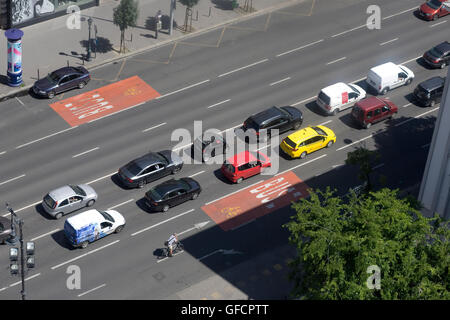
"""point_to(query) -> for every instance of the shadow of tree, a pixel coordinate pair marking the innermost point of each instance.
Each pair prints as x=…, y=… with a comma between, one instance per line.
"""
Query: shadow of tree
x=223, y=4
x=103, y=45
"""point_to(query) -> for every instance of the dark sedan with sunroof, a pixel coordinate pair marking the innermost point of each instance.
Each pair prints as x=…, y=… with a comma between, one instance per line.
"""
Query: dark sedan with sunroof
x=61, y=80
x=172, y=193
x=150, y=167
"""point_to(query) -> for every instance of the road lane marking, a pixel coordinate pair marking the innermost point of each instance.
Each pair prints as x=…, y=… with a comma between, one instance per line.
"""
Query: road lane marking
x=301, y=164
x=436, y=24
x=344, y=32
x=207, y=203
x=18, y=210
x=238, y=125
x=242, y=68
x=337, y=165
x=383, y=43
x=119, y=111
x=3, y=152
x=154, y=127
x=21, y=176
x=418, y=116
x=3, y=289
x=354, y=143
x=20, y=101
x=196, y=174
x=101, y=178
x=337, y=60
x=29, y=278
x=406, y=105
x=219, y=103
x=396, y=14
x=46, y=234
x=279, y=81
x=80, y=154
x=121, y=204
x=84, y=255
x=173, y=255
x=49, y=136
x=299, y=48
x=378, y=166
x=183, y=147
x=244, y=224
x=160, y=223
x=310, y=98
x=89, y=291
x=326, y=122
x=408, y=61
x=182, y=89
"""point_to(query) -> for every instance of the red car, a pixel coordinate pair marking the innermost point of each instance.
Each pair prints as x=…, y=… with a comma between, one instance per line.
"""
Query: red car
x=434, y=9
x=244, y=165
x=372, y=110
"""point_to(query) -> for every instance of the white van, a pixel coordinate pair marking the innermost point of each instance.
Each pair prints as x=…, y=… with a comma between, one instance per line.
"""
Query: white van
x=92, y=225
x=339, y=96
x=388, y=76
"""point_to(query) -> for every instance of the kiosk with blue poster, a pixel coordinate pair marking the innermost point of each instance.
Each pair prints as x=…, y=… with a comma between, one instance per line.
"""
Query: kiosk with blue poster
x=14, y=54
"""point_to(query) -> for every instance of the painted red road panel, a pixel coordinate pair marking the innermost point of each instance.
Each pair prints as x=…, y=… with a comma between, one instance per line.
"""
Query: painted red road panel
x=256, y=201
x=104, y=101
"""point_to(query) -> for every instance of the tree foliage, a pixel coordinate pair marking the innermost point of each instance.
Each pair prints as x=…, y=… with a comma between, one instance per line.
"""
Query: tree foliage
x=124, y=16
x=338, y=240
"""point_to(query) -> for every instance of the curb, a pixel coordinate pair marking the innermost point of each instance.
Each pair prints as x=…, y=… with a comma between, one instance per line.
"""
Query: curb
x=24, y=90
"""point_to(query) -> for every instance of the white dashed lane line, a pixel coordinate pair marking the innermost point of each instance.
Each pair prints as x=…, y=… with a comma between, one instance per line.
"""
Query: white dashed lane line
x=242, y=68
x=83, y=153
x=12, y=179
x=154, y=127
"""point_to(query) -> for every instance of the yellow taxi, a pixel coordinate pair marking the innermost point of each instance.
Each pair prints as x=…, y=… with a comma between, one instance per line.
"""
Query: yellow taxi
x=307, y=140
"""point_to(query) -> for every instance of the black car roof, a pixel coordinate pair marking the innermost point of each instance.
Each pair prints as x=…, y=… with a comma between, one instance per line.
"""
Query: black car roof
x=266, y=115
x=66, y=70
x=443, y=47
x=169, y=186
x=433, y=83
x=147, y=159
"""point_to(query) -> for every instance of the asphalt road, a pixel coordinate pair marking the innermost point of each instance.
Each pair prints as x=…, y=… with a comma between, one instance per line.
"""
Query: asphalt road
x=283, y=58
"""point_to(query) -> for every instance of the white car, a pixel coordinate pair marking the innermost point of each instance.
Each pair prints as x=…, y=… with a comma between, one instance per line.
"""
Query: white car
x=389, y=76
x=339, y=96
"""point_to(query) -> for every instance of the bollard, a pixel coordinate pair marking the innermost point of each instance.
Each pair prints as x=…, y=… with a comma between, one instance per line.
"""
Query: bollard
x=38, y=73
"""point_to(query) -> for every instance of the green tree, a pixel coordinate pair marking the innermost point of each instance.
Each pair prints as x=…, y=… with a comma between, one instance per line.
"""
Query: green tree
x=363, y=158
x=189, y=4
x=125, y=15
x=338, y=240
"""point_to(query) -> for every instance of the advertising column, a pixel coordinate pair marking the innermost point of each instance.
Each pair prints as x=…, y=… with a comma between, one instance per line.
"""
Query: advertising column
x=14, y=54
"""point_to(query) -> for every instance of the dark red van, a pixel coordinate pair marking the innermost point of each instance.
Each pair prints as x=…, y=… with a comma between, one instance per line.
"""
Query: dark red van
x=372, y=110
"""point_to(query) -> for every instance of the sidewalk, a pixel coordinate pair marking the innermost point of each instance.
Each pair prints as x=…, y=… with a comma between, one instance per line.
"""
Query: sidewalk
x=50, y=45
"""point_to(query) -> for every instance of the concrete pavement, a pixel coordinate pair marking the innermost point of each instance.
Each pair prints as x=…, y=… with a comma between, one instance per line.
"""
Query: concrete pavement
x=50, y=44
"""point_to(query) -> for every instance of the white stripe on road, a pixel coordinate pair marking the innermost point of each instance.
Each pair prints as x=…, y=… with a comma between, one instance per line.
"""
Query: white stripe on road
x=173, y=255
x=114, y=113
x=219, y=103
x=179, y=90
x=299, y=48
x=120, y=204
x=46, y=234
x=418, y=116
x=1, y=183
x=29, y=278
x=406, y=105
x=310, y=98
x=154, y=127
x=80, y=154
x=436, y=24
x=160, y=223
x=326, y=122
x=396, y=14
x=279, y=81
x=337, y=60
x=408, y=61
x=196, y=174
x=3, y=152
x=302, y=164
x=183, y=147
x=101, y=178
x=353, y=143
x=339, y=34
x=233, y=193
x=20, y=101
x=383, y=43
x=40, y=139
x=239, y=125
x=89, y=291
x=18, y=210
x=242, y=68
x=84, y=255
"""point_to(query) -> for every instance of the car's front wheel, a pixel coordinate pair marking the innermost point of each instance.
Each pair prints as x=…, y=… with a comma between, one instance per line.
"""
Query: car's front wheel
x=58, y=215
x=165, y=208
x=51, y=94
x=84, y=244
x=90, y=203
x=330, y=143
x=118, y=229
x=239, y=180
x=81, y=85
x=443, y=65
x=194, y=196
x=303, y=155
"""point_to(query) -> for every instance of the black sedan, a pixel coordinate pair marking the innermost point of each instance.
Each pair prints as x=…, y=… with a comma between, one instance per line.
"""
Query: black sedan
x=172, y=193
x=208, y=146
x=439, y=56
x=150, y=167
x=5, y=229
x=61, y=80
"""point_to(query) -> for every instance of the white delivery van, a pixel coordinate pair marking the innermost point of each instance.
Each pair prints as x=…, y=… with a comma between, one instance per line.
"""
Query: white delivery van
x=92, y=225
x=388, y=76
x=339, y=96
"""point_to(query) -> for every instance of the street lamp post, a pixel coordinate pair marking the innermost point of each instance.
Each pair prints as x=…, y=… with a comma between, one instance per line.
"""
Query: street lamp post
x=88, y=57
x=13, y=252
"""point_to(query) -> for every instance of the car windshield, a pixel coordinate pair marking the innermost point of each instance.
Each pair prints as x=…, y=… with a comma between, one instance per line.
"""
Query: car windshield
x=49, y=201
x=78, y=190
x=435, y=4
x=107, y=216
x=228, y=166
x=353, y=88
x=290, y=143
x=435, y=52
x=134, y=168
x=54, y=77
x=319, y=131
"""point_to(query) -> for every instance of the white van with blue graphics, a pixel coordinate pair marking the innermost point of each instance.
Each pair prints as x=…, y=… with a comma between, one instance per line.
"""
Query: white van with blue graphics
x=92, y=225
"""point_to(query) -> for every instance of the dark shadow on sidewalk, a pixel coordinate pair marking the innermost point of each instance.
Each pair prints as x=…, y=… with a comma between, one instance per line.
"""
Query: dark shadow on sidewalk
x=223, y=4
x=103, y=45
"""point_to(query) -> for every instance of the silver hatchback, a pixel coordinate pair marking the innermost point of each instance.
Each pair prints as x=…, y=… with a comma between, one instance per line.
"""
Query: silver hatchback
x=69, y=198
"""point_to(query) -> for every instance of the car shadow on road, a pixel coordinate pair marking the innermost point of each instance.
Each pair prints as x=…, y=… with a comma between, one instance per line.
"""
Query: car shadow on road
x=141, y=204
x=219, y=175
x=421, y=62
x=116, y=180
x=223, y=4
x=348, y=121
x=314, y=108
x=60, y=238
x=40, y=209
